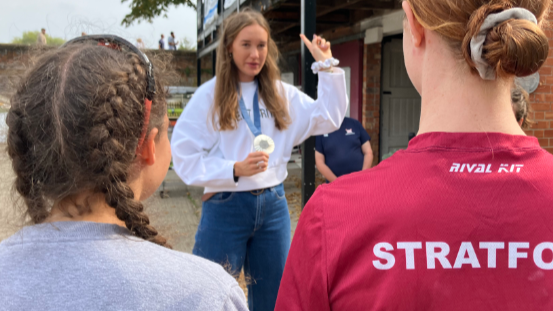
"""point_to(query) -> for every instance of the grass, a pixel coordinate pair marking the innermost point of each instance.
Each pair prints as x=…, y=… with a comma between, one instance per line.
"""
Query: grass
x=191, y=199
x=174, y=112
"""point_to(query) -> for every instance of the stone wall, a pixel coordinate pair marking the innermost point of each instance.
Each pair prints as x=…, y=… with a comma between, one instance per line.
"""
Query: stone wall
x=15, y=60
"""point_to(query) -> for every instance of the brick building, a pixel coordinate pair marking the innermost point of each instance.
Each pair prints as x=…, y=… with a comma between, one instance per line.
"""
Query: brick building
x=541, y=100
x=366, y=36
x=381, y=95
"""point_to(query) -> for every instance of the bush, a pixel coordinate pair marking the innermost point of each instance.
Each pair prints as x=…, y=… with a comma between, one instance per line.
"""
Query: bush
x=30, y=37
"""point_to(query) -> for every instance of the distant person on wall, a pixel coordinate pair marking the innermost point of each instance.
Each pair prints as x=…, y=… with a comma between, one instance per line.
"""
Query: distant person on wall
x=83, y=34
x=171, y=42
x=343, y=152
x=41, y=39
x=162, y=43
x=140, y=44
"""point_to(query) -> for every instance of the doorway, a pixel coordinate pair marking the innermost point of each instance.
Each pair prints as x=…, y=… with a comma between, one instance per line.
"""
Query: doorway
x=400, y=102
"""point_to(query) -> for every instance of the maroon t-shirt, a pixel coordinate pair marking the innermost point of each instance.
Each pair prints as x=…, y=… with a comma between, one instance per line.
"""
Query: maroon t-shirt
x=458, y=221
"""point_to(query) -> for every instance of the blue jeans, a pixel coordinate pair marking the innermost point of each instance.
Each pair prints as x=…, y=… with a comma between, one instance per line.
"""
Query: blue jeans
x=240, y=229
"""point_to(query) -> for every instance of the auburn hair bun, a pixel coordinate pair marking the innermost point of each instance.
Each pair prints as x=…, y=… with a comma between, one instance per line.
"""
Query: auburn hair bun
x=514, y=47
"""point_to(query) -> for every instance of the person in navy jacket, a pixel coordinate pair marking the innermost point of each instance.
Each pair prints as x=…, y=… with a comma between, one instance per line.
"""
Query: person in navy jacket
x=344, y=151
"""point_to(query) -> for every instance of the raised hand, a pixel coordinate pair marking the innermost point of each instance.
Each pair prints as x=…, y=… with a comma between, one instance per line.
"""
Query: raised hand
x=319, y=47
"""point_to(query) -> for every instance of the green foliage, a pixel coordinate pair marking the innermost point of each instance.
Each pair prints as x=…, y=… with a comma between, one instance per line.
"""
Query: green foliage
x=187, y=71
x=30, y=37
x=186, y=45
x=174, y=113
x=149, y=9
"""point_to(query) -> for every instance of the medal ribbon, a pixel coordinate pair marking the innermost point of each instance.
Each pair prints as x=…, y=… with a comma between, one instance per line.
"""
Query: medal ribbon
x=254, y=126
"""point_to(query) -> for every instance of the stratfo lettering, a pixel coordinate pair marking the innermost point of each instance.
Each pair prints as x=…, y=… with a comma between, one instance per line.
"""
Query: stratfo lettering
x=436, y=254
x=485, y=168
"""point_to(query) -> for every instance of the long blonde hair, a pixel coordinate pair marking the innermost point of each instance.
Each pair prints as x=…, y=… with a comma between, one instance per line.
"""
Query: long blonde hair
x=226, y=94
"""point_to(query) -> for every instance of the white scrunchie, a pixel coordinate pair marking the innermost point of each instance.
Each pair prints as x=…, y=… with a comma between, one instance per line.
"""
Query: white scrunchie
x=477, y=42
x=330, y=62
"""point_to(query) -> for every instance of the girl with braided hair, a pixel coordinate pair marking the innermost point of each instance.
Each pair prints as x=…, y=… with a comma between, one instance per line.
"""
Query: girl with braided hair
x=461, y=219
x=88, y=142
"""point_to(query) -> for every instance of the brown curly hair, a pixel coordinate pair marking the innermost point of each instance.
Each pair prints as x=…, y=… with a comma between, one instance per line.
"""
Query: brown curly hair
x=74, y=126
x=521, y=106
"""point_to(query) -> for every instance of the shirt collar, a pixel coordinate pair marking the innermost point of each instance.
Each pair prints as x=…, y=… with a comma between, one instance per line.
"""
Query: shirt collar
x=472, y=141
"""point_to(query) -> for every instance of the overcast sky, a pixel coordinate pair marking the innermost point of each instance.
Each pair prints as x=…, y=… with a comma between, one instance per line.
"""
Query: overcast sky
x=68, y=18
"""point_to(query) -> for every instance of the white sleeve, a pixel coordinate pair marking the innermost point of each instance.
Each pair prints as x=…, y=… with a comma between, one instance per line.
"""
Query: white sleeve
x=236, y=300
x=193, y=138
x=324, y=115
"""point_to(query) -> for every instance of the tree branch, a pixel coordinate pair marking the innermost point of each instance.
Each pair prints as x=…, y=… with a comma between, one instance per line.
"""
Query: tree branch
x=147, y=10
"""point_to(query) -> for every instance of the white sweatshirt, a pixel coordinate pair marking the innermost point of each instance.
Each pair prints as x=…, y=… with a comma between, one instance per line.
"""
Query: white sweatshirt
x=203, y=156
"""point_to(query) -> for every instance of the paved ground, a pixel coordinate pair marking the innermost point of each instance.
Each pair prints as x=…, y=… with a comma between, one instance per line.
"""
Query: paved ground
x=10, y=216
x=176, y=216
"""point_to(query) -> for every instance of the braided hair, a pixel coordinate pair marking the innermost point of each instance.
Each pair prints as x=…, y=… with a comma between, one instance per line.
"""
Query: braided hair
x=74, y=126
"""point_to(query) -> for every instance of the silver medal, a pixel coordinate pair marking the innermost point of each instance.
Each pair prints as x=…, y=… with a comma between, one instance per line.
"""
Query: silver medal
x=264, y=143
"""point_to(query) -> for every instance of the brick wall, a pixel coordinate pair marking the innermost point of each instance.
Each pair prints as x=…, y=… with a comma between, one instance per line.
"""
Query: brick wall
x=14, y=61
x=372, y=63
x=541, y=101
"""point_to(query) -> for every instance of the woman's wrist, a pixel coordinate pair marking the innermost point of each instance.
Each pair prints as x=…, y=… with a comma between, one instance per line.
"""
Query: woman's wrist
x=238, y=169
x=325, y=65
x=234, y=173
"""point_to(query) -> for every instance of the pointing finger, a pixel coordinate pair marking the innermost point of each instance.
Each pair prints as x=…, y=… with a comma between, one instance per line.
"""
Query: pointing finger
x=306, y=41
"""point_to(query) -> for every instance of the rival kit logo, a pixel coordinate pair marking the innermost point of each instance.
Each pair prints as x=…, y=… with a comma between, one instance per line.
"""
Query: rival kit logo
x=485, y=168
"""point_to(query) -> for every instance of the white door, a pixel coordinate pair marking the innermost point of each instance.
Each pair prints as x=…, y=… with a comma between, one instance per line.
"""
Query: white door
x=401, y=103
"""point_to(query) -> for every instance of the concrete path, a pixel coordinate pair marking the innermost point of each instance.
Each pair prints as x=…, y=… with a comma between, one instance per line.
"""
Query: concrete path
x=11, y=219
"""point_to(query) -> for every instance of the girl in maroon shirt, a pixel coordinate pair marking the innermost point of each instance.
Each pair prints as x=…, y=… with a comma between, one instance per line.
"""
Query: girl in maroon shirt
x=462, y=219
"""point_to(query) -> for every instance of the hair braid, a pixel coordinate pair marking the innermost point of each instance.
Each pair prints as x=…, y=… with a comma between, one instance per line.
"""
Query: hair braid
x=74, y=126
x=26, y=183
x=112, y=155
